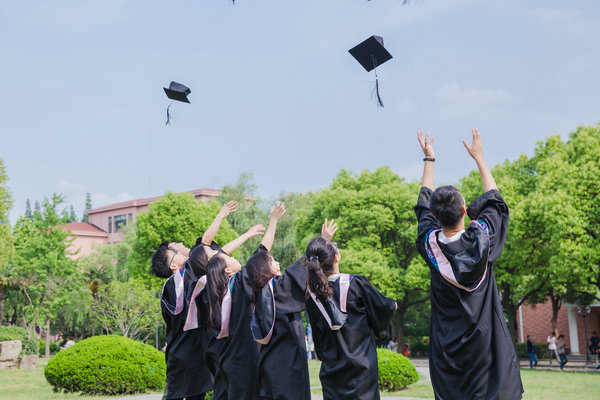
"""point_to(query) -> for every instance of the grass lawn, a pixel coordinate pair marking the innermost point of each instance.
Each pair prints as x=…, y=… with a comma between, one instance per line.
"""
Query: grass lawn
x=539, y=385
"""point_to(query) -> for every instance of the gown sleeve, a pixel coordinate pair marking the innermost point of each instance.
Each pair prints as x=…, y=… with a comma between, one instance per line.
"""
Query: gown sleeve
x=425, y=218
x=378, y=308
x=491, y=212
x=290, y=288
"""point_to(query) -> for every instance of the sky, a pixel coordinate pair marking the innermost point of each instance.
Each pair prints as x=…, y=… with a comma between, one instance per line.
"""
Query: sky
x=275, y=92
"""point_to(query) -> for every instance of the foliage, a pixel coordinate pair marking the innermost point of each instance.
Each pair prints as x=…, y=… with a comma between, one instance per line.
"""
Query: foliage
x=43, y=271
x=419, y=345
x=6, y=202
x=54, y=347
x=540, y=349
x=376, y=236
x=127, y=308
x=30, y=347
x=107, y=365
x=12, y=333
x=395, y=371
x=88, y=206
x=176, y=218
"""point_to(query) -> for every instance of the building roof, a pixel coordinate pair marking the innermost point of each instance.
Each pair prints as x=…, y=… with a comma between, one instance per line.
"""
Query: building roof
x=84, y=229
x=146, y=201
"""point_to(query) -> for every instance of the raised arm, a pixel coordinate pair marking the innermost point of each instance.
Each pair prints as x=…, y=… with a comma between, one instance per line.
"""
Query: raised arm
x=237, y=242
x=475, y=150
x=277, y=212
x=427, y=147
x=212, y=230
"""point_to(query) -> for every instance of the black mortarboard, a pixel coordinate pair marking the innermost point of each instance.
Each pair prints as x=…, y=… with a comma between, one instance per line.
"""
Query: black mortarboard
x=178, y=92
x=371, y=54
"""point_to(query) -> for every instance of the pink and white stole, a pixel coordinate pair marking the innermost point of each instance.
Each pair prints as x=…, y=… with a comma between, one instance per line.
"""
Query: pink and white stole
x=344, y=287
x=444, y=265
x=267, y=338
x=226, y=309
x=191, y=322
x=179, y=293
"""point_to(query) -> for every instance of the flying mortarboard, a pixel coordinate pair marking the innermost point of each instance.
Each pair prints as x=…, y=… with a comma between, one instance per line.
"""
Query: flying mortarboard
x=371, y=54
x=176, y=92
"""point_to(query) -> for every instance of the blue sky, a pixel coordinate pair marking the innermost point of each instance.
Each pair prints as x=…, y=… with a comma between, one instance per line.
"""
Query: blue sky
x=275, y=92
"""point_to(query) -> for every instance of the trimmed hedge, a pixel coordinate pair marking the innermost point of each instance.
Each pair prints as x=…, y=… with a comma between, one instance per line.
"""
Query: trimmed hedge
x=395, y=371
x=12, y=333
x=107, y=365
x=53, y=347
x=540, y=348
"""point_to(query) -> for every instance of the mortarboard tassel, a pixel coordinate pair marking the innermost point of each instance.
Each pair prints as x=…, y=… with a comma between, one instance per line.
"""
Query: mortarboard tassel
x=379, y=102
x=169, y=114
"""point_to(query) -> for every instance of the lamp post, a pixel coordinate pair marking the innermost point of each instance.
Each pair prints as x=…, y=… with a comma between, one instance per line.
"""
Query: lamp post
x=584, y=312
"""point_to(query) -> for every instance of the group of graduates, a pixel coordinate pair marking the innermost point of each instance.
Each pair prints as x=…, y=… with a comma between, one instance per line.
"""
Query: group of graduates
x=238, y=331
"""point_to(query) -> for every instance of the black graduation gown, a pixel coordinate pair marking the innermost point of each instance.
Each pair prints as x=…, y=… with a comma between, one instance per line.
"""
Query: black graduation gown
x=283, y=366
x=471, y=354
x=237, y=364
x=187, y=373
x=349, y=357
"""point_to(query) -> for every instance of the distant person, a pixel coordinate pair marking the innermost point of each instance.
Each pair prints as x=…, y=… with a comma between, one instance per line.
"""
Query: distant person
x=561, y=349
x=406, y=350
x=551, y=340
x=531, y=352
x=69, y=342
x=594, y=346
x=471, y=353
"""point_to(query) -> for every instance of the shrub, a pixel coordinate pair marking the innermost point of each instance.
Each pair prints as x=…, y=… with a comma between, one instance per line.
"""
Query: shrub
x=53, y=347
x=107, y=365
x=29, y=347
x=395, y=371
x=12, y=333
x=419, y=345
x=540, y=348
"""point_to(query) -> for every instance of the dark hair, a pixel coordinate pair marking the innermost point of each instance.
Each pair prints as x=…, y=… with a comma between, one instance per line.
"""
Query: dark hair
x=259, y=271
x=320, y=254
x=561, y=336
x=446, y=205
x=216, y=287
x=198, y=259
x=160, y=264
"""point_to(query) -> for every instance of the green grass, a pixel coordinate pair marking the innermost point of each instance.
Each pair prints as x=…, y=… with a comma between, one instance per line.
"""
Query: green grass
x=539, y=384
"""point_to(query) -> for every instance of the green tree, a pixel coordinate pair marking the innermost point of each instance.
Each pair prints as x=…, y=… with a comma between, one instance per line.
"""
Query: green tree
x=127, y=308
x=377, y=231
x=28, y=212
x=6, y=241
x=43, y=269
x=176, y=218
x=88, y=206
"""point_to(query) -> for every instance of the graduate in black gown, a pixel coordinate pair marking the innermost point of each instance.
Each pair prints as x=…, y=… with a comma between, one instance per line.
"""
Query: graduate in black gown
x=277, y=323
x=188, y=375
x=345, y=311
x=471, y=353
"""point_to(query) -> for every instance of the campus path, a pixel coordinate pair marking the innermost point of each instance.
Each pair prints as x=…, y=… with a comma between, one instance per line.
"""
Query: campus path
x=422, y=366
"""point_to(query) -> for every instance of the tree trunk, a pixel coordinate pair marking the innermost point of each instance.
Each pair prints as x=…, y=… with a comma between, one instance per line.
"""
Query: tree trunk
x=511, y=310
x=556, y=301
x=47, y=338
x=1, y=305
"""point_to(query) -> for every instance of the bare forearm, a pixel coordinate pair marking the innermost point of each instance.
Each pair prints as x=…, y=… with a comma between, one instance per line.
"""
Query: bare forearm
x=211, y=231
x=486, y=176
x=269, y=236
x=235, y=243
x=427, y=180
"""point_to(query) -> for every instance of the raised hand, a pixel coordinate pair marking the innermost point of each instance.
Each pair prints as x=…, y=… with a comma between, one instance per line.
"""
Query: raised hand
x=475, y=150
x=228, y=208
x=328, y=229
x=255, y=231
x=277, y=211
x=426, y=144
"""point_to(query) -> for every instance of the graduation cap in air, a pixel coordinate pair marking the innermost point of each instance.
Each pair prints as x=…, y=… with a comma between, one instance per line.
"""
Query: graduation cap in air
x=371, y=54
x=176, y=92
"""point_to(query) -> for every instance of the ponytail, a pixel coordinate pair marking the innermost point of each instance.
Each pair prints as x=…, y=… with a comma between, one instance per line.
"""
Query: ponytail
x=216, y=287
x=320, y=254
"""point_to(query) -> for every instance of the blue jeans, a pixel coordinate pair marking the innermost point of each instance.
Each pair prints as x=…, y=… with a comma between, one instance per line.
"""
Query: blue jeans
x=532, y=360
x=563, y=360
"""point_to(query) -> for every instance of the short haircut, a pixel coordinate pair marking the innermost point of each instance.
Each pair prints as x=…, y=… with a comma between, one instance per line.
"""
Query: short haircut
x=160, y=264
x=446, y=205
